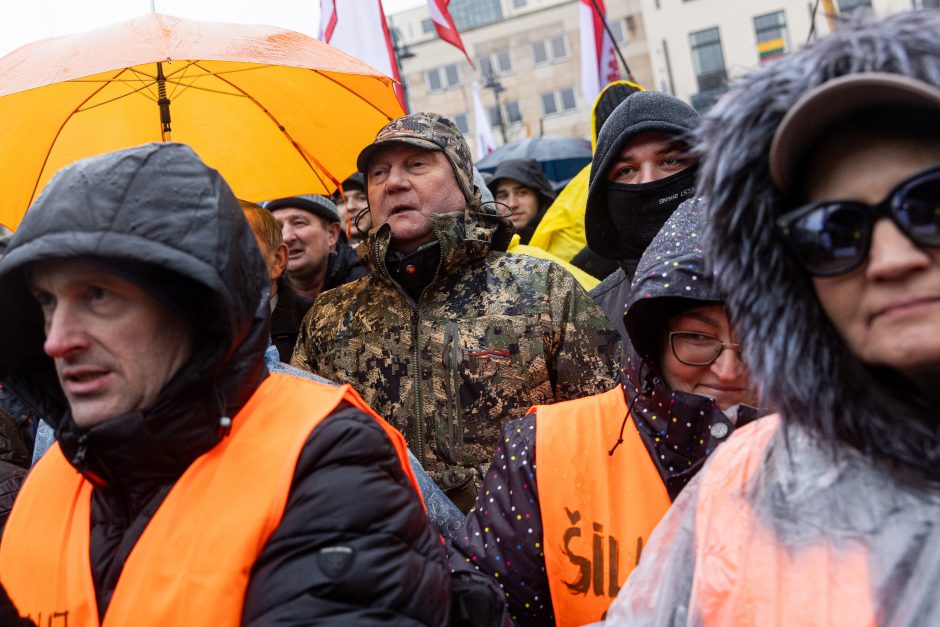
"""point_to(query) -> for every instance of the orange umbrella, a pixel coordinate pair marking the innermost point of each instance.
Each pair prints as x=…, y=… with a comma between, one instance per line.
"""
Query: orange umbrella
x=276, y=112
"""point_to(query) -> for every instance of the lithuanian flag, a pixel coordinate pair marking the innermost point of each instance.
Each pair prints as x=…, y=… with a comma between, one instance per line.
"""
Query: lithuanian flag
x=771, y=48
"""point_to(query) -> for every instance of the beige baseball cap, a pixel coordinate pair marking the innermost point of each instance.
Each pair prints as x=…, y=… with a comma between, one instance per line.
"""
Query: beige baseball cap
x=830, y=103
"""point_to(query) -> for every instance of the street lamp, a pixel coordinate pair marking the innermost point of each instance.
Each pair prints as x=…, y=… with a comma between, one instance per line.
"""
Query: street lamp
x=491, y=81
x=402, y=52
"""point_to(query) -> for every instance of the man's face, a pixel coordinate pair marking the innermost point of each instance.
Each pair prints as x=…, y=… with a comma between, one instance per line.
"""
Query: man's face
x=356, y=201
x=407, y=185
x=114, y=346
x=521, y=200
x=649, y=157
x=887, y=311
x=308, y=240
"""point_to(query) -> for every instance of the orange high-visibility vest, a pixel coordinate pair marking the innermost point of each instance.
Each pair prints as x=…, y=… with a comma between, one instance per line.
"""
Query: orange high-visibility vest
x=192, y=564
x=597, y=510
x=744, y=576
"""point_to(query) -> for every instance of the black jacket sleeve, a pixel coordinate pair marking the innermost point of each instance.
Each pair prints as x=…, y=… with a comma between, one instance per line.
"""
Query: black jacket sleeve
x=502, y=534
x=11, y=478
x=354, y=546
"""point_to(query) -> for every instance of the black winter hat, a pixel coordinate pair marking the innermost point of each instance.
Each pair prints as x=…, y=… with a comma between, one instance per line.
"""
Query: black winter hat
x=314, y=203
x=526, y=171
x=642, y=112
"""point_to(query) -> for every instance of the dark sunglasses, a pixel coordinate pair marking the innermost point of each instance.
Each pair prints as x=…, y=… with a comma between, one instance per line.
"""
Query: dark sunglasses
x=834, y=236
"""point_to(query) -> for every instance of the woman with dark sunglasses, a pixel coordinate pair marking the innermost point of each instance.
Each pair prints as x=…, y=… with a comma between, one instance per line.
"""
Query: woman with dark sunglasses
x=822, y=176
x=576, y=488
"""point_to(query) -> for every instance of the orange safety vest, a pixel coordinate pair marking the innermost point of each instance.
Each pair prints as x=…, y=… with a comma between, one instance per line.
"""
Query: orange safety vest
x=743, y=576
x=192, y=564
x=597, y=510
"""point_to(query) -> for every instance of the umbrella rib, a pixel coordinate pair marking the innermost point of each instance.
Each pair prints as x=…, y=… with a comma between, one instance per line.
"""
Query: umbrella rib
x=306, y=157
x=45, y=159
x=338, y=84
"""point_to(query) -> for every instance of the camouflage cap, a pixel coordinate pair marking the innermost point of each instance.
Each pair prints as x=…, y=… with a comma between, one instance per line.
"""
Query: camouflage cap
x=431, y=131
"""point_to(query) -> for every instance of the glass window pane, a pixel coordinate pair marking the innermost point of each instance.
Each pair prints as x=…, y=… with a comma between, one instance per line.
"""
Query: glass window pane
x=559, y=47
x=548, y=103
x=504, y=61
x=539, y=53
x=486, y=66
x=493, y=114
x=518, y=4
x=427, y=26
x=453, y=77
x=461, y=121
x=513, y=111
x=433, y=79
x=567, y=99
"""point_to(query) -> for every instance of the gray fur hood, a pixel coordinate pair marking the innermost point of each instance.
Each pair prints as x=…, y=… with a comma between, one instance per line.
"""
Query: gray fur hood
x=792, y=350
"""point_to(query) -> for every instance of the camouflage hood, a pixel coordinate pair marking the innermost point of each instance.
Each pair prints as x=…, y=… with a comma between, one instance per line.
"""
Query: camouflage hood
x=796, y=356
x=465, y=236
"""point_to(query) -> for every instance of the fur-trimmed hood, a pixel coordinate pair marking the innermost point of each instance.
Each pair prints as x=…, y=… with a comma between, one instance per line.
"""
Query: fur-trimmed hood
x=794, y=353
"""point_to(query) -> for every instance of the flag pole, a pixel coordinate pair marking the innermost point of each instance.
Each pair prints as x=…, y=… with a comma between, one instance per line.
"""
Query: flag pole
x=601, y=15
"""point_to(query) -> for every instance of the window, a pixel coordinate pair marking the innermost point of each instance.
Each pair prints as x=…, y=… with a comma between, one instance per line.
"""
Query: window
x=550, y=50
x=493, y=114
x=708, y=60
x=926, y=4
x=496, y=63
x=558, y=101
x=518, y=4
x=847, y=6
x=771, y=32
x=513, y=112
x=460, y=119
x=441, y=78
x=473, y=13
x=427, y=26
x=620, y=30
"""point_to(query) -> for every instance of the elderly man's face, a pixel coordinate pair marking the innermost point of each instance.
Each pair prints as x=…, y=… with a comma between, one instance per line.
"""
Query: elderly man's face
x=887, y=310
x=309, y=240
x=407, y=185
x=114, y=346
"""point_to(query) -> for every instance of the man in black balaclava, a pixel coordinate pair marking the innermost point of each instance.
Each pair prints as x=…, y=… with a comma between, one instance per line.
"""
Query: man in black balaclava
x=640, y=174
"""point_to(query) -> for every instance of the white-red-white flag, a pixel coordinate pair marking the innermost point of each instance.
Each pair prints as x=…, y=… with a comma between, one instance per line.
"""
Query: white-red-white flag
x=444, y=24
x=486, y=143
x=599, y=65
x=359, y=28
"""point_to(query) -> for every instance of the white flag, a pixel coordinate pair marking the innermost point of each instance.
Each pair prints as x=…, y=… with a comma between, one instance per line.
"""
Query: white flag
x=481, y=122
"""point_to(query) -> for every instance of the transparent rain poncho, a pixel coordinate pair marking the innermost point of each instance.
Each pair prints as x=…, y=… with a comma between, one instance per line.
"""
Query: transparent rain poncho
x=781, y=529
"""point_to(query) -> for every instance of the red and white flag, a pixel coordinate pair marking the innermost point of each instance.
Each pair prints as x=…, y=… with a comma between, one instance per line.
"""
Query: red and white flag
x=359, y=28
x=444, y=24
x=599, y=65
x=486, y=143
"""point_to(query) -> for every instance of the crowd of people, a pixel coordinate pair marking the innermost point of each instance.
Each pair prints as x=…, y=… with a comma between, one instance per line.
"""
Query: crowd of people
x=399, y=405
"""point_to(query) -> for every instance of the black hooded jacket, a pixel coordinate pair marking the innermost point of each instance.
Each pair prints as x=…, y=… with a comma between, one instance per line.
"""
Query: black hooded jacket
x=529, y=173
x=115, y=207
x=672, y=271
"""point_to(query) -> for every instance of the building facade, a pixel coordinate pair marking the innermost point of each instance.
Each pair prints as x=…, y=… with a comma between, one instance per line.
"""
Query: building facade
x=698, y=46
x=528, y=50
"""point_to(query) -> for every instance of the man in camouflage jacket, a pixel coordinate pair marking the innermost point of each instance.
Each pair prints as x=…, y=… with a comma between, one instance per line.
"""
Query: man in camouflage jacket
x=449, y=337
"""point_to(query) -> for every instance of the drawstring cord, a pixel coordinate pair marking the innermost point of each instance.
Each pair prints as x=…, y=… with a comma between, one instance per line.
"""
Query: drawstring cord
x=647, y=389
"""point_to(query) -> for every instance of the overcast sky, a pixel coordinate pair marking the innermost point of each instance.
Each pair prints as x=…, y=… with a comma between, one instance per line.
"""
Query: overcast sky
x=22, y=21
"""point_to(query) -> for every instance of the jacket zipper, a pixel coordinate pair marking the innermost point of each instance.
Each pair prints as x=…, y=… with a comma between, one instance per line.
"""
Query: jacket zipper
x=418, y=444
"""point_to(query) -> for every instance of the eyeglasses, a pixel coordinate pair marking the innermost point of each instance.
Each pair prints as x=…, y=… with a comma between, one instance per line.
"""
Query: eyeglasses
x=833, y=237
x=697, y=349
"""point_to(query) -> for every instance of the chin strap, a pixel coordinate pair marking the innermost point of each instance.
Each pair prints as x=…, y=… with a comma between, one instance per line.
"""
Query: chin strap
x=647, y=389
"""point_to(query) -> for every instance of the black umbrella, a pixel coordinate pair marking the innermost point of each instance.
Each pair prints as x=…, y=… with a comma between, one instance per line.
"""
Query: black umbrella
x=560, y=157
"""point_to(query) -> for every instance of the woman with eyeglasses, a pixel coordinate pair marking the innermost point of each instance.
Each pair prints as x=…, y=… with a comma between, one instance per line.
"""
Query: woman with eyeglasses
x=576, y=488
x=823, y=177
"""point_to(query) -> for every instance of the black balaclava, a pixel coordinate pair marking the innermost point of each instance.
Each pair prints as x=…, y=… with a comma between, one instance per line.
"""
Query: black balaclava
x=621, y=220
x=639, y=211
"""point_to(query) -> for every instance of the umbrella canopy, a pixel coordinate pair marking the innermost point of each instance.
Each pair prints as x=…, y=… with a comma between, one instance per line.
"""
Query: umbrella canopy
x=560, y=157
x=276, y=112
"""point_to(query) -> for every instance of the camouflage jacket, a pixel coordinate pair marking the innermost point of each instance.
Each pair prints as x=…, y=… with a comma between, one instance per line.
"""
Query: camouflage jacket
x=491, y=336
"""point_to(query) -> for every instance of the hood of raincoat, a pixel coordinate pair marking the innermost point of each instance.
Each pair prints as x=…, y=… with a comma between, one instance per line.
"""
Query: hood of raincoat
x=527, y=172
x=798, y=360
x=155, y=206
x=680, y=428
